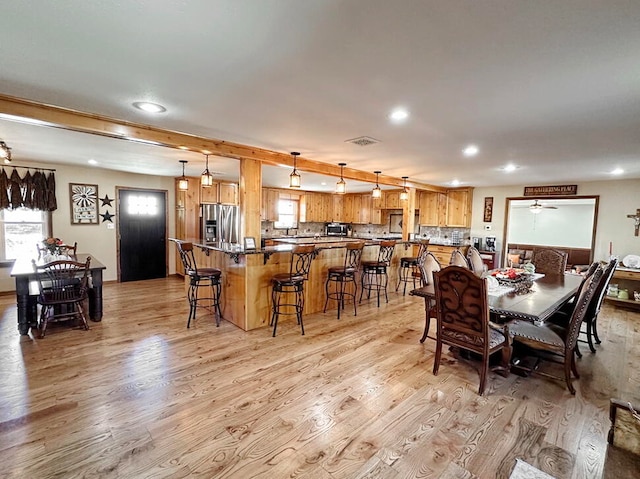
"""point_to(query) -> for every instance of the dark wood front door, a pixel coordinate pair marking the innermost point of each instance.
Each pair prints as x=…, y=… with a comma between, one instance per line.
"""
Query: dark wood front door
x=142, y=233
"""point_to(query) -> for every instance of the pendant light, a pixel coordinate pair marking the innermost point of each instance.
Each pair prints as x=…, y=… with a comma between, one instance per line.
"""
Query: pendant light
x=404, y=194
x=294, y=177
x=183, y=183
x=377, y=192
x=206, y=180
x=341, y=186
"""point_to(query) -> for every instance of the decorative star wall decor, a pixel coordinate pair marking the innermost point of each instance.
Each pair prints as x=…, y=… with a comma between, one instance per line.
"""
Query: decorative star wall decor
x=106, y=201
x=107, y=216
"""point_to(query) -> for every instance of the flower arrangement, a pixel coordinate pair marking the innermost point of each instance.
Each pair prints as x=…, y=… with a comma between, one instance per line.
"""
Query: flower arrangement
x=52, y=245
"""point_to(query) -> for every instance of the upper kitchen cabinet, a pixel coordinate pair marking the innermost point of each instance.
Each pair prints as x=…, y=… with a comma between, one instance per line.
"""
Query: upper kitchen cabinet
x=459, y=204
x=433, y=208
x=220, y=192
x=316, y=207
x=392, y=200
x=209, y=194
x=228, y=193
x=270, y=199
x=452, y=209
x=338, y=208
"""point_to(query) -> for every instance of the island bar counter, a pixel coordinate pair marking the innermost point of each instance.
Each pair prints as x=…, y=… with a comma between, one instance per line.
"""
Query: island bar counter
x=246, y=276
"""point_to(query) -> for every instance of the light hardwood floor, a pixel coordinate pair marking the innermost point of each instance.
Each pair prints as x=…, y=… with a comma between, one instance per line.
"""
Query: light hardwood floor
x=139, y=395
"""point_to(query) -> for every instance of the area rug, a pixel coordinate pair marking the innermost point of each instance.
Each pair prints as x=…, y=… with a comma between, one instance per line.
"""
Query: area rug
x=527, y=471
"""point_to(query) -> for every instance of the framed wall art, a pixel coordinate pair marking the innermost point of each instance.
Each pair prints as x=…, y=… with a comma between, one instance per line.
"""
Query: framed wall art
x=488, y=209
x=84, y=204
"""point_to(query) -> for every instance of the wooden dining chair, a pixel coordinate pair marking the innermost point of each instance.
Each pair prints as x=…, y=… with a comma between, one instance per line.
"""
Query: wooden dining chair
x=552, y=342
x=463, y=320
x=69, y=250
x=63, y=287
x=549, y=261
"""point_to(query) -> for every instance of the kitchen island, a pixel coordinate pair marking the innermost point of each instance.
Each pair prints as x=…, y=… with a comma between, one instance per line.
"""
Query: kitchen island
x=247, y=273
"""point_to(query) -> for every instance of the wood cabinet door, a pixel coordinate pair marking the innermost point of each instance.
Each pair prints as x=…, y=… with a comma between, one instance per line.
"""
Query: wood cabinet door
x=459, y=208
x=228, y=193
x=270, y=199
x=209, y=194
x=392, y=200
x=364, y=213
x=348, y=215
x=432, y=208
x=338, y=208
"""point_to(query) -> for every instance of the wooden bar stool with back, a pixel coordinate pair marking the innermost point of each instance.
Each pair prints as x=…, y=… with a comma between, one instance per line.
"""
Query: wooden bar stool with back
x=341, y=276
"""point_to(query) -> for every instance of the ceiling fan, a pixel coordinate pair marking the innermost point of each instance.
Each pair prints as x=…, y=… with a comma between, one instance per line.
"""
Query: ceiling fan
x=537, y=207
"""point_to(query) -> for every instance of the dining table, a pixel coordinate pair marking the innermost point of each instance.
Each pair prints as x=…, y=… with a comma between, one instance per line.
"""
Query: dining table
x=546, y=296
x=26, y=289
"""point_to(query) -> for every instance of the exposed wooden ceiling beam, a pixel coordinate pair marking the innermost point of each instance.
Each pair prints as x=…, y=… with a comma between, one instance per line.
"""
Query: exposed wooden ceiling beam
x=19, y=109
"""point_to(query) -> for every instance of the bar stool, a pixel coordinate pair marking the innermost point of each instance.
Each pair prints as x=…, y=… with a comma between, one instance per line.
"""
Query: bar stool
x=409, y=271
x=290, y=286
x=339, y=276
x=374, y=273
x=200, y=278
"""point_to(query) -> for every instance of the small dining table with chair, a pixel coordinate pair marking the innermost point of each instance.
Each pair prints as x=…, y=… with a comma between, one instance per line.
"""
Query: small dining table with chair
x=27, y=290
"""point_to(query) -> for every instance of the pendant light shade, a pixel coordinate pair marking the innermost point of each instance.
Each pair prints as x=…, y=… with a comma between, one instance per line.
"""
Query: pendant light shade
x=341, y=186
x=206, y=179
x=294, y=177
x=377, y=192
x=183, y=183
x=404, y=194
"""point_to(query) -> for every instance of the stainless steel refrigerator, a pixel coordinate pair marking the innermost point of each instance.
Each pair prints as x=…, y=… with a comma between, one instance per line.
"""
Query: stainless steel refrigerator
x=220, y=223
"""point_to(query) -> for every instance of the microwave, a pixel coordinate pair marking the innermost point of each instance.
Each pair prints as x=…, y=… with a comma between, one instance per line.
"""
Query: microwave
x=336, y=229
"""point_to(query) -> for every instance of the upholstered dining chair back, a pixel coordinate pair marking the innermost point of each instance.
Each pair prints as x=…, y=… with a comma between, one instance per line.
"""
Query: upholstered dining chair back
x=427, y=267
x=475, y=261
x=549, y=261
x=458, y=259
x=463, y=319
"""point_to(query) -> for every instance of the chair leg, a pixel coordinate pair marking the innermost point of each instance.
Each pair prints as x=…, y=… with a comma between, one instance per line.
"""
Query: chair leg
x=436, y=358
x=594, y=323
x=569, y=364
x=83, y=316
x=427, y=319
x=577, y=351
x=355, y=292
x=589, y=335
x=484, y=372
x=300, y=308
x=43, y=321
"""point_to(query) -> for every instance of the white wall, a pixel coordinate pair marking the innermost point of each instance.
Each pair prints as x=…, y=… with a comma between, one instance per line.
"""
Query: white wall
x=97, y=239
x=617, y=199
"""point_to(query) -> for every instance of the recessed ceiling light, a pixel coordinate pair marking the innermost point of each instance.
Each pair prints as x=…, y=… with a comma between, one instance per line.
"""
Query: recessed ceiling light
x=324, y=183
x=92, y=162
x=149, y=107
x=510, y=167
x=470, y=150
x=399, y=115
x=183, y=147
x=455, y=183
x=617, y=171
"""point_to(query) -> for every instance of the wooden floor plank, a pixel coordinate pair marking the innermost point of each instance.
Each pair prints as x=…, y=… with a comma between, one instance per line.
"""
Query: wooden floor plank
x=140, y=395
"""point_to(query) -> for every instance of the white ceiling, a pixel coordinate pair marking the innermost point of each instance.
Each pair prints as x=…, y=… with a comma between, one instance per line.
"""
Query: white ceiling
x=551, y=86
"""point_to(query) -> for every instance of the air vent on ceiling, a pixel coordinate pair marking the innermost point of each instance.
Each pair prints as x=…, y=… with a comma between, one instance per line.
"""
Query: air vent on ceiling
x=363, y=141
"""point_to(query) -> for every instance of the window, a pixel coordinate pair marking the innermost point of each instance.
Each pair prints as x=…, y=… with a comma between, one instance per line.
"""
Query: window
x=142, y=205
x=287, y=214
x=22, y=229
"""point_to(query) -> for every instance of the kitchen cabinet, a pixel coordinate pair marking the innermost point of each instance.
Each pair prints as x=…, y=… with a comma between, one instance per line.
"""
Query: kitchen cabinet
x=187, y=219
x=433, y=207
x=338, y=209
x=228, y=193
x=316, y=208
x=451, y=209
x=459, y=207
x=209, y=194
x=392, y=200
x=270, y=199
x=220, y=192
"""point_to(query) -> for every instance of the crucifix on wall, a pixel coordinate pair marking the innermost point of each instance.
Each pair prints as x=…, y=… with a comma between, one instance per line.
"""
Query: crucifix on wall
x=636, y=217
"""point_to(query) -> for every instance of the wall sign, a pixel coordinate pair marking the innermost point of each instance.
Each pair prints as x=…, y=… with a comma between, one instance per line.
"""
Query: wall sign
x=488, y=209
x=84, y=204
x=559, y=190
